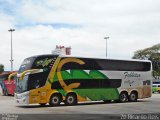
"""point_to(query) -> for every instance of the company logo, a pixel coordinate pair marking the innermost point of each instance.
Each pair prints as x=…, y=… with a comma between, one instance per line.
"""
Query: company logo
x=131, y=74
x=129, y=82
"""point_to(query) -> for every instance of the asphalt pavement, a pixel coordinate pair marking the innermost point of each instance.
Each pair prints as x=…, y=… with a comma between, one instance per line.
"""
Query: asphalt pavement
x=145, y=108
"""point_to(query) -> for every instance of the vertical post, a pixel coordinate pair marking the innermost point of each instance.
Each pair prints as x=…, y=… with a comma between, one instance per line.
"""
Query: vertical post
x=106, y=44
x=11, y=30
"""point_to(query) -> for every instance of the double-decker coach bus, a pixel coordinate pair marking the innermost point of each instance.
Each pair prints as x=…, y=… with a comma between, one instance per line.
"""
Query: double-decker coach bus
x=54, y=79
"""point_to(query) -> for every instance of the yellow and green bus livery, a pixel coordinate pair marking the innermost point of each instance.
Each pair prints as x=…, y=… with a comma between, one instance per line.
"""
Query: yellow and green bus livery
x=54, y=79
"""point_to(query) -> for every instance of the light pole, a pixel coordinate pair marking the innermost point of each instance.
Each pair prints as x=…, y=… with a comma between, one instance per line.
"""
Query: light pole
x=11, y=30
x=106, y=44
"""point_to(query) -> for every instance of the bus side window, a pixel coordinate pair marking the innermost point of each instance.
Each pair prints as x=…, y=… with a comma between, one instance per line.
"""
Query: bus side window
x=147, y=82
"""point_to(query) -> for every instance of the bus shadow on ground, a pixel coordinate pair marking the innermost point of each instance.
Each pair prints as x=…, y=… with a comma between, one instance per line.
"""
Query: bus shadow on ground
x=81, y=104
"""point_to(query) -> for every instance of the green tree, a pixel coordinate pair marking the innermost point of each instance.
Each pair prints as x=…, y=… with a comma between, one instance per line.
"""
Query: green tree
x=153, y=54
x=1, y=68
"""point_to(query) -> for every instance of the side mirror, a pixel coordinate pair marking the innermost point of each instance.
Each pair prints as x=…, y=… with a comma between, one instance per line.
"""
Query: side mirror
x=31, y=71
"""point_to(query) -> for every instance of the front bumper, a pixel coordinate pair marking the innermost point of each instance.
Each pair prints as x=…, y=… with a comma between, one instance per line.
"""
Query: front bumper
x=22, y=98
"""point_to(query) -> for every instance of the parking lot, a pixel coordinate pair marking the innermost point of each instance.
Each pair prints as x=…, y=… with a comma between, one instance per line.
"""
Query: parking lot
x=143, y=106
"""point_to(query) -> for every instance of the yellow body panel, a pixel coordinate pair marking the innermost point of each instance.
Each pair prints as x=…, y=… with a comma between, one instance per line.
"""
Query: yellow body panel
x=43, y=94
x=34, y=96
x=40, y=95
x=61, y=81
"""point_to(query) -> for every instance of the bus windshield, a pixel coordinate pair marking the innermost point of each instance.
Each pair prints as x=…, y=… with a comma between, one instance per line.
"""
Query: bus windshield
x=35, y=80
x=26, y=64
x=21, y=85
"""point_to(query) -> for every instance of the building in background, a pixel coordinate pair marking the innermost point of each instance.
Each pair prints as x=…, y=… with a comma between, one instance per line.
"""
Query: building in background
x=61, y=50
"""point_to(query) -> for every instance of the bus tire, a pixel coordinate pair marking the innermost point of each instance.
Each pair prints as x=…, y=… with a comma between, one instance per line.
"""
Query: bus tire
x=133, y=97
x=71, y=99
x=55, y=100
x=123, y=97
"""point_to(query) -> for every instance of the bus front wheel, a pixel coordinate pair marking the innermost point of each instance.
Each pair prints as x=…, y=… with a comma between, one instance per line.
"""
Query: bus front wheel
x=71, y=99
x=55, y=100
x=123, y=97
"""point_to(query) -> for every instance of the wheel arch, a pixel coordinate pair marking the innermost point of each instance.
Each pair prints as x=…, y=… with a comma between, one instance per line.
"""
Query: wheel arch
x=74, y=93
x=55, y=93
x=124, y=91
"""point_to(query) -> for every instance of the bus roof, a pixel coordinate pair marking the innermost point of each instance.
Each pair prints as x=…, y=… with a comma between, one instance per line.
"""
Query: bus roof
x=62, y=56
x=106, y=58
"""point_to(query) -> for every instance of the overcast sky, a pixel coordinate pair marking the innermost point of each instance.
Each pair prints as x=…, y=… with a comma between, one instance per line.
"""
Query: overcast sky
x=40, y=25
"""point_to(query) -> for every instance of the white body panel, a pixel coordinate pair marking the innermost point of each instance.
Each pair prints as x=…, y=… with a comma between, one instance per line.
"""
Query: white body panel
x=133, y=80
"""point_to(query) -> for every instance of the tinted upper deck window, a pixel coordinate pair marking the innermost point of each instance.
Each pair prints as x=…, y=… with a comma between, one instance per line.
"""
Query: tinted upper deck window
x=105, y=64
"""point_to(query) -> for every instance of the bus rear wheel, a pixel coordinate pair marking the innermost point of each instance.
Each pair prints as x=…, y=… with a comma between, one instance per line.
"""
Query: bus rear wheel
x=55, y=100
x=71, y=99
x=123, y=97
x=133, y=97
